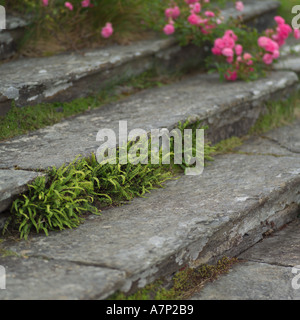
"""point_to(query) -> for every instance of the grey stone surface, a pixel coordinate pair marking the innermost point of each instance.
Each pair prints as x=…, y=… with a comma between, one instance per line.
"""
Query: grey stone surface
x=65, y=76
x=228, y=109
x=13, y=182
x=254, y=10
x=289, y=63
x=280, y=142
x=252, y=281
x=16, y=22
x=264, y=271
x=6, y=45
x=288, y=137
x=41, y=279
x=194, y=220
x=281, y=248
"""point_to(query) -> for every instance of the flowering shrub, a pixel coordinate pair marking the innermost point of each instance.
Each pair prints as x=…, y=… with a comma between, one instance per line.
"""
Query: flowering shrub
x=107, y=30
x=237, y=52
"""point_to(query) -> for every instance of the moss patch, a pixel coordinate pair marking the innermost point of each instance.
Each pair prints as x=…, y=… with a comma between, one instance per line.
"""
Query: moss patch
x=183, y=285
x=20, y=121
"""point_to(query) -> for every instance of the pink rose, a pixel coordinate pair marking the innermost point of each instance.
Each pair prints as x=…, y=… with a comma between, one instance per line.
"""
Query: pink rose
x=69, y=5
x=297, y=34
x=209, y=14
x=239, y=5
x=227, y=52
x=107, y=31
x=268, y=58
x=85, y=3
x=279, y=20
x=194, y=19
x=231, y=75
x=169, y=29
x=238, y=49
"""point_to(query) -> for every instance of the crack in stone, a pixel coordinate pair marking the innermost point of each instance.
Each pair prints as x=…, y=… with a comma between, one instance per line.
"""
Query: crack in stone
x=243, y=260
x=279, y=144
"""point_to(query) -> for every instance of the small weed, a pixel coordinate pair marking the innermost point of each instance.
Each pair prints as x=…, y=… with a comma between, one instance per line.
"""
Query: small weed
x=278, y=113
x=228, y=145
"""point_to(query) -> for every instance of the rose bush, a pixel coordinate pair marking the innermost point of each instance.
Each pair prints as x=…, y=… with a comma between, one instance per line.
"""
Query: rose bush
x=238, y=52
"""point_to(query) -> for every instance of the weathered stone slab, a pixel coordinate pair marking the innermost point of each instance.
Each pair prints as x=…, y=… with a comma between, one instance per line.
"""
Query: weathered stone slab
x=281, y=248
x=6, y=45
x=288, y=137
x=283, y=142
x=228, y=109
x=193, y=220
x=41, y=279
x=264, y=270
x=252, y=281
x=13, y=182
x=65, y=77
x=291, y=63
x=16, y=22
x=258, y=14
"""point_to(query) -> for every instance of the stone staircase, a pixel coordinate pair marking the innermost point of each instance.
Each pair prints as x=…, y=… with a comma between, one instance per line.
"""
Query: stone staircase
x=64, y=77
x=194, y=219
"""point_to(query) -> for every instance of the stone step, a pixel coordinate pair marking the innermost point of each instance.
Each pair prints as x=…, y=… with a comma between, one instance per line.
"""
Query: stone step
x=265, y=271
x=65, y=77
x=194, y=220
x=227, y=108
x=290, y=57
x=15, y=28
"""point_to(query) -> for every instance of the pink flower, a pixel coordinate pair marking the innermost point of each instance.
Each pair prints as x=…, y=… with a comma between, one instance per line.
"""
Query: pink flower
x=231, y=34
x=216, y=51
x=191, y=1
x=239, y=5
x=231, y=75
x=279, y=20
x=209, y=14
x=85, y=3
x=276, y=54
x=196, y=8
x=194, y=19
x=219, y=43
x=176, y=12
x=297, y=34
x=173, y=13
x=169, y=29
x=238, y=49
x=247, y=56
x=107, y=31
x=69, y=5
x=268, y=44
x=262, y=41
x=169, y=12
x=229, y=59
x=45, y=3
x=228, y=42
x=227, y=52
x=268, y=58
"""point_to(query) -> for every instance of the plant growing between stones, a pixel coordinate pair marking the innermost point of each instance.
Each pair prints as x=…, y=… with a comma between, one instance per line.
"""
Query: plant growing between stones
x=61, y=199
